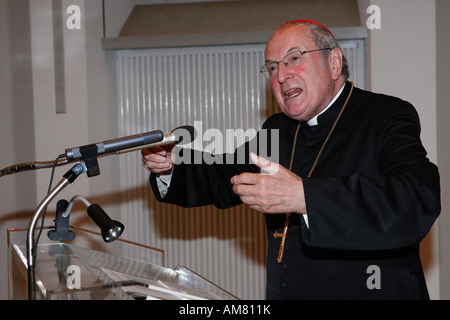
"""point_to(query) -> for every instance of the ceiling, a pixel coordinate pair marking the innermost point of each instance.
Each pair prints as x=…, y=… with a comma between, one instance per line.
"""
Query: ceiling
x=226, y=22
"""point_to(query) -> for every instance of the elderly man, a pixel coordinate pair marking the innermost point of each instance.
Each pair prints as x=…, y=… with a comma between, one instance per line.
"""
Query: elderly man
x=354, y=193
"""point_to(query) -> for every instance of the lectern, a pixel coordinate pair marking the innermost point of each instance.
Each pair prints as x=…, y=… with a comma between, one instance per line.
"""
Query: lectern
x=88, y=269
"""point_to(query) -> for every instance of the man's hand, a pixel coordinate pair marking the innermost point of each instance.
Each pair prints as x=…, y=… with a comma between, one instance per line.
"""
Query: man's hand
x=158, y=159
x=276, y=191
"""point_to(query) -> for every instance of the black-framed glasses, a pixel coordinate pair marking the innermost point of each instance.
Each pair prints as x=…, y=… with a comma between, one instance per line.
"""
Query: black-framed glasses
x=292, y=59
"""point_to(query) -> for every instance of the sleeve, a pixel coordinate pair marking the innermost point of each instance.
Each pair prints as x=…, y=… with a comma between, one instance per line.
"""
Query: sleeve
x=392, y=209
x=205, y=179
x=199, y=184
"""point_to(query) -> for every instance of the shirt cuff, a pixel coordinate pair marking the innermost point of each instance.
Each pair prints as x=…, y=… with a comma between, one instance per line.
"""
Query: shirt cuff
x=163, y=183
x=305, y=218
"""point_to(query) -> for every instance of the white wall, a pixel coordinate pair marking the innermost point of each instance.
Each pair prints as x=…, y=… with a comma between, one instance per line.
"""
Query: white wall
x=17, y=193
x=402, y=62
x=443, y=98
x=30, y=128
x=56, y=132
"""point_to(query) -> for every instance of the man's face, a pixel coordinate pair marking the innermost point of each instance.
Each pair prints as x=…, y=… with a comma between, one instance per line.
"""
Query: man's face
x=305, y=90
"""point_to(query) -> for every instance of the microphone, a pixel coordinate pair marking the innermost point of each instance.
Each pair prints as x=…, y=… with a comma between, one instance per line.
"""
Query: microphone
x=89, y=153
x=134, y=142
x=185, y=134
x=151, y=139
x=116, y=145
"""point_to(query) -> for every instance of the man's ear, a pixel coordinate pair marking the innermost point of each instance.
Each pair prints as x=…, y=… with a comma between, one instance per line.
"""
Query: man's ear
x=335, y=59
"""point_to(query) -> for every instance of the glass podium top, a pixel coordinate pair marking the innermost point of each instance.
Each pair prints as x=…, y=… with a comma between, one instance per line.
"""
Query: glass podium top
x=88, y=269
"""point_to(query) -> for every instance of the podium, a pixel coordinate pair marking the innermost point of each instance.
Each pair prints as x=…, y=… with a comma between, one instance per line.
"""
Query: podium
x=88, y=269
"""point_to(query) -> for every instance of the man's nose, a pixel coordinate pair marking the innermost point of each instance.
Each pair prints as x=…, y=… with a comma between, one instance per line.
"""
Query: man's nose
x=284, y=72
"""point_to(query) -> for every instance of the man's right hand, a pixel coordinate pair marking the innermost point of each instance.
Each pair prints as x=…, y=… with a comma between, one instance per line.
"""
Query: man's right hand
x=158, y=159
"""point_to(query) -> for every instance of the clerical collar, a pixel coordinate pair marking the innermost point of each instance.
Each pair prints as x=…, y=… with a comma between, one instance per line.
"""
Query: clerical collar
x=313, y=121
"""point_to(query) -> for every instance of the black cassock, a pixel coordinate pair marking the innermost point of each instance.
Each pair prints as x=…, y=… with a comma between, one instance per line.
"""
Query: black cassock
x=372, y=198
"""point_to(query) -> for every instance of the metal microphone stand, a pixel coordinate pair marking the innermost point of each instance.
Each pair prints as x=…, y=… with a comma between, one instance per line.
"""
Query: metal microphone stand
x=31, y=247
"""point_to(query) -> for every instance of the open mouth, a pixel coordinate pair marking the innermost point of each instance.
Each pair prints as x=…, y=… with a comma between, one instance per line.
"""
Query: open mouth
x=292, y=93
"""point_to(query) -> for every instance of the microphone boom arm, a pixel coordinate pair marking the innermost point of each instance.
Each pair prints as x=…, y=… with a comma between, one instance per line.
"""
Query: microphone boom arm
x=28, y=166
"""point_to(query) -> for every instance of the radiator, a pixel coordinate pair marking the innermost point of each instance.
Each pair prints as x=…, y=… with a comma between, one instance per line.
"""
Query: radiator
x=222, y=88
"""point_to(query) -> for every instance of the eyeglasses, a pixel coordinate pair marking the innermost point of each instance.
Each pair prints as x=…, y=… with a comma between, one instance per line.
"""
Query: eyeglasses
x=292, y=59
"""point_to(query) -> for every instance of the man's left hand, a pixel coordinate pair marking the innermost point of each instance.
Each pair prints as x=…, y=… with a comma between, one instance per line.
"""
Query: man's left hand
x=275, y=190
